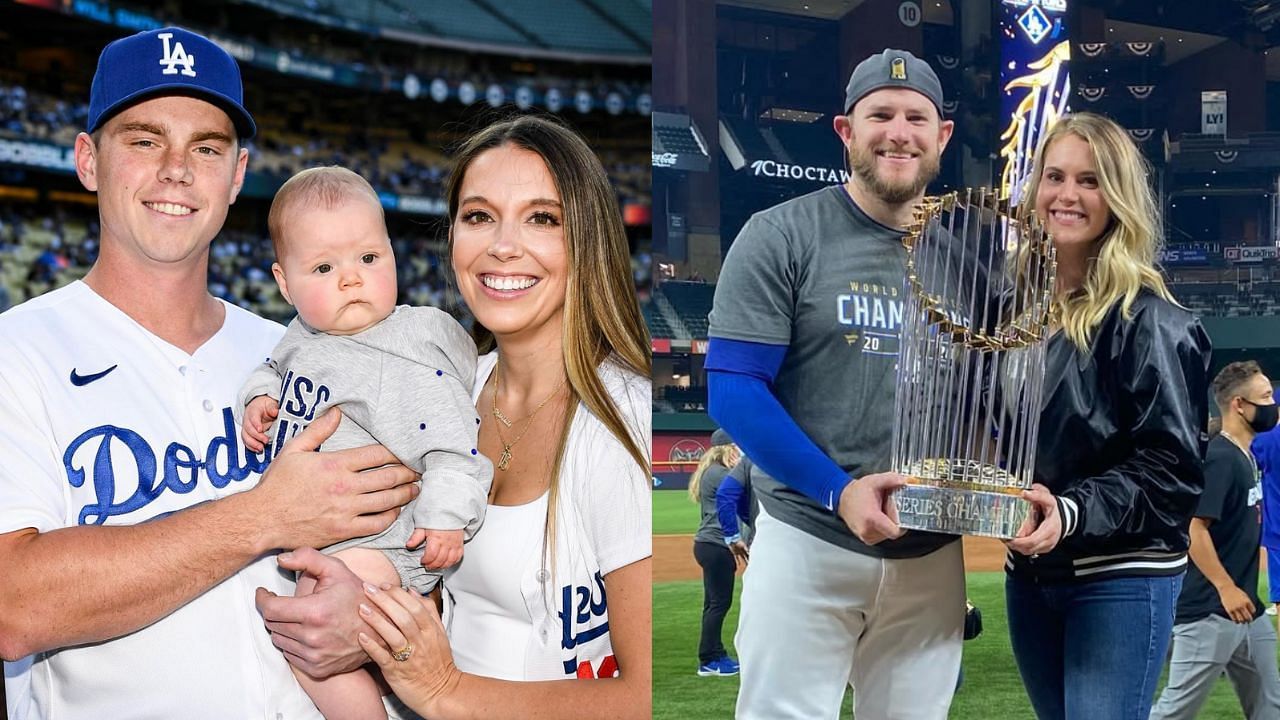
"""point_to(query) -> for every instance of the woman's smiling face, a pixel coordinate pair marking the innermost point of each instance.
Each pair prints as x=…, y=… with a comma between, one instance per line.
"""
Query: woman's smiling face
x=1070, y=200
x=509, y=250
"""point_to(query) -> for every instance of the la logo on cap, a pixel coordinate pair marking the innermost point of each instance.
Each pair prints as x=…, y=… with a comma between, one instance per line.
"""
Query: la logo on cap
x=175, y=56
x=897, y=70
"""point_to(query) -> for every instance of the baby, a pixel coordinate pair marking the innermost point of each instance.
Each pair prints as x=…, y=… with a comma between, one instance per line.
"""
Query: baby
x=402, y=376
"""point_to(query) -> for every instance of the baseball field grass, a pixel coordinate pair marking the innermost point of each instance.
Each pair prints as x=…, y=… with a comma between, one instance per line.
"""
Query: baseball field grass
x=991, y=690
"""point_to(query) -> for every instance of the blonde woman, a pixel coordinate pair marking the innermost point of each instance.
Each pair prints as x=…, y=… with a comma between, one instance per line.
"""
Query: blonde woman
x=715, y=554
x=1094, y=577
x=555, y=587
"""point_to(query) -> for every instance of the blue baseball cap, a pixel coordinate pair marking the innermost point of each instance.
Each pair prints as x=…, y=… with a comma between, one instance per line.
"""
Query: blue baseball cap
x=168, y=61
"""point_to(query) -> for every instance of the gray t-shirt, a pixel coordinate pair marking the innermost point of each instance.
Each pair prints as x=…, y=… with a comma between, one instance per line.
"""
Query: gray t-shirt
x=709, y=529
x=819, y=276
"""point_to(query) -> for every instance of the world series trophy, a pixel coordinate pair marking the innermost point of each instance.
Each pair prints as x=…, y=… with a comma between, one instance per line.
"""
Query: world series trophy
x=977, y=309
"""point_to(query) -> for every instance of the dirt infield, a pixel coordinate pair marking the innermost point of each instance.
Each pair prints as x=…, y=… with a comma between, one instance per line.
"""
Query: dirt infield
x=673, y=557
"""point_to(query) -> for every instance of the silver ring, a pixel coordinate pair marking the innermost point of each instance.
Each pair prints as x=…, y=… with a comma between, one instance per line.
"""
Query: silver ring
x=1035, y=556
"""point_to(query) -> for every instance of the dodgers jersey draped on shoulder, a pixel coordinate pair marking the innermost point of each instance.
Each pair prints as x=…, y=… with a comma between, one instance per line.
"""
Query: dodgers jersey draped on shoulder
x=817, y=275
x=103, y=423
x=603, y=522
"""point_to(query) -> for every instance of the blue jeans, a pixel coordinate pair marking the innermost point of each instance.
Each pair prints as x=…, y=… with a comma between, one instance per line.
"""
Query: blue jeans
x=1093, y=650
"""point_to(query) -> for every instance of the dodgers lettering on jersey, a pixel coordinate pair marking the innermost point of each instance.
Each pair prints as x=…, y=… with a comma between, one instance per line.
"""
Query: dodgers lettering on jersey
x=584, y=617
x=876, y=312
x=104, y=455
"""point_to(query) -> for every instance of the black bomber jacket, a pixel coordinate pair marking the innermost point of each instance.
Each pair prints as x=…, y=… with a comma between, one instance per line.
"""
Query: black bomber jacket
x=1121, y=444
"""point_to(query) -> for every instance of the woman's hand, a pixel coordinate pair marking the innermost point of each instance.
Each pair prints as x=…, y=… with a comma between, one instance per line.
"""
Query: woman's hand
x=1042, y=529
x=409, y=627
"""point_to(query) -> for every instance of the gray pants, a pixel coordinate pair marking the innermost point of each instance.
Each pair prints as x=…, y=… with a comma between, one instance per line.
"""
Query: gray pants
x=1203, y=649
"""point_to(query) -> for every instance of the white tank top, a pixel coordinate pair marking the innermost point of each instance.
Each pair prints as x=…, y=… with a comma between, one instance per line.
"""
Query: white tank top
x=490, y=626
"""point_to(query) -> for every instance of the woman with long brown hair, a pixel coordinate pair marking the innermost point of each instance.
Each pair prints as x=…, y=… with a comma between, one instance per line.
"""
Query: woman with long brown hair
x=557, y=583
x=555, y=586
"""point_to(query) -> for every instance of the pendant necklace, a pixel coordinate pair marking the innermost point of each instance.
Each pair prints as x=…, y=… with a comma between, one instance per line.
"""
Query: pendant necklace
x=504, y=460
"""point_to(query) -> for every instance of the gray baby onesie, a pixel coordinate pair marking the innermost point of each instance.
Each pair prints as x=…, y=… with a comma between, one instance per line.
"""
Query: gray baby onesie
x=404, y=383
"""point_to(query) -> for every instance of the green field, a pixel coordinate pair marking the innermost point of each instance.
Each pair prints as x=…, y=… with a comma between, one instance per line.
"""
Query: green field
x=992, y=689
x=673, y=513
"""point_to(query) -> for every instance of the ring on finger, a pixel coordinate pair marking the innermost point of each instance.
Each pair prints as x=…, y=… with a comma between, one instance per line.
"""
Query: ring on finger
x=403, y=653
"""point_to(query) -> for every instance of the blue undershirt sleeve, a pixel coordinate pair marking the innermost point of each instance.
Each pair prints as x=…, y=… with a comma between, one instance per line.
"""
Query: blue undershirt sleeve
x=739, y=398
x=728, y=495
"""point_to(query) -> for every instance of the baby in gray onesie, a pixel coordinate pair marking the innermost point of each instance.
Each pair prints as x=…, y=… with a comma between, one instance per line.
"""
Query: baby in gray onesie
x=402, y=376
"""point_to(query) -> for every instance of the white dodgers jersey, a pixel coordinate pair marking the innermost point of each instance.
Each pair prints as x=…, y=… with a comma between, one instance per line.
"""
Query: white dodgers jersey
x=103, y=423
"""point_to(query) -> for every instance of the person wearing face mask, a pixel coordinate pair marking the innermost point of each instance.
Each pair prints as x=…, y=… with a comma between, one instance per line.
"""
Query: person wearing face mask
x=1220, y=623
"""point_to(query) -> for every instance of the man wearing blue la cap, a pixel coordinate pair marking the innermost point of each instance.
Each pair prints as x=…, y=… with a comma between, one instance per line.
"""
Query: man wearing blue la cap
x=804, y=335
x=137, y=72
x=135, y=527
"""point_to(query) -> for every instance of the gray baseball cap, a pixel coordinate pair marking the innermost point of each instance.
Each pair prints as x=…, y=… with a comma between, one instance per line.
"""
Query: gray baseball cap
x=720, y=437
x=893, y=69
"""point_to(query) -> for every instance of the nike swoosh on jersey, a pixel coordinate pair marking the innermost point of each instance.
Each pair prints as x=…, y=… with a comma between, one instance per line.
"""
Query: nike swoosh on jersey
x=81, y=380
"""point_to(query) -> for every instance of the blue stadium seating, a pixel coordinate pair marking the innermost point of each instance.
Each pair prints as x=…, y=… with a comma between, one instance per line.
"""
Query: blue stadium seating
x=574, y=25
x=571, y=25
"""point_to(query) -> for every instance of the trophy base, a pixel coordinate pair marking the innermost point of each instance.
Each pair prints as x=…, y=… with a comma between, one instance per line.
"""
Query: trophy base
x=932, y=507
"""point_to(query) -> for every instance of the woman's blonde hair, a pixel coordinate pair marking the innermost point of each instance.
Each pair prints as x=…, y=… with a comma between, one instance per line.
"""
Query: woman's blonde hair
x=717, y=454
x=602, y=320
x=1125, y=260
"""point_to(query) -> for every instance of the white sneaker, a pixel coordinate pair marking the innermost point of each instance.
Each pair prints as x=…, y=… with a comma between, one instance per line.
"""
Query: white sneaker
x=1271, y=609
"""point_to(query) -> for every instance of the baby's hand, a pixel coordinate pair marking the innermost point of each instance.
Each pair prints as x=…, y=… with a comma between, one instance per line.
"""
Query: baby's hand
x=444, y=547
x=258, y=415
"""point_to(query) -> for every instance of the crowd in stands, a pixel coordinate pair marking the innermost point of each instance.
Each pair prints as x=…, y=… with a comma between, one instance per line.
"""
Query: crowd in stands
x=386, y=157
x=42, y=250
x=32, y=114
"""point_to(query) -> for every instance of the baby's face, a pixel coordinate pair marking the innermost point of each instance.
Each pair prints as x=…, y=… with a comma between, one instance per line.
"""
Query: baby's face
x=338, y=270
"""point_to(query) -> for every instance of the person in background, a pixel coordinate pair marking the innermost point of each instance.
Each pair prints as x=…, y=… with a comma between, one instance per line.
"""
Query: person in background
x=1220, y=625
x=718, y=562
x=1266, y=450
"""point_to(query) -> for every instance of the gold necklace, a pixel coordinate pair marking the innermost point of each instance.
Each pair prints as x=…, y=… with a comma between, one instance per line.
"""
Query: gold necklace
x=504, y=460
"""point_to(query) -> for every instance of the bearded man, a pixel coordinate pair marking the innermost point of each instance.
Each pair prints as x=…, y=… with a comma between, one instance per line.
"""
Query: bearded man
x=804, y=337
